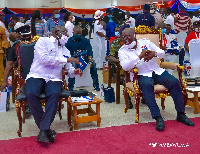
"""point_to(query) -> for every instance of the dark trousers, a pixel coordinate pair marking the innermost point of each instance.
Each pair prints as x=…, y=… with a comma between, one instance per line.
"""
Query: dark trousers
x=94, y=75
x=181, y=56
x=170, y=82
x=52, y=90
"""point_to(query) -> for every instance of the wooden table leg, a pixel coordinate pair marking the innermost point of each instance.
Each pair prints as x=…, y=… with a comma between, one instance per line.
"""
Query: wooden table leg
x=98, y=114
x=117, y=83
x=76, y=118
x=196, y=103
x=69, y=113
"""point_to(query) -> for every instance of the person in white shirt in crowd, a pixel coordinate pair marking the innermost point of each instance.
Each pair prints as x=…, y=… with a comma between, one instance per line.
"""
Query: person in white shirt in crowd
x=156, y=15
x=170, y=18
x=140, y=54
x=196, y=16
x=69, y=19
x=17, y=22
x=170, y=45
x=50, y=56
x=99, y=45
x=129, y=20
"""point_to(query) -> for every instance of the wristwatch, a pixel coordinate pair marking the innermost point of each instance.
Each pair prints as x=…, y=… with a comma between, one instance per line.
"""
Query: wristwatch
x=155, y=54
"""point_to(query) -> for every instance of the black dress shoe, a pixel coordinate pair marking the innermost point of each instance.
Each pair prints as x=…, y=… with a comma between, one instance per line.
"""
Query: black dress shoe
x=51, y=134
x=143, y=101
x=160, y=123
x=184, y=119
x=42, y=137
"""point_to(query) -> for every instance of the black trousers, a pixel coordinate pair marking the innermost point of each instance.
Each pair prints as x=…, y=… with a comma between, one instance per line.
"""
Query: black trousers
x=52, y=89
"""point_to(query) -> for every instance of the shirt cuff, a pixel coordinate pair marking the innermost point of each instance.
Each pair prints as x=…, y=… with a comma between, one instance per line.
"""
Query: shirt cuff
x=63, y=60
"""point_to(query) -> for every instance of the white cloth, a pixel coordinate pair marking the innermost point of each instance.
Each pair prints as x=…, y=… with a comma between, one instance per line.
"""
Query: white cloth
x=131, y=22
x=170, y=20
x=7, y=33
x=194, y=18
x=70, y=28
x=129, y=58
x=49, y=60
x=171, y=58
x=99, y=45
x=18, y=24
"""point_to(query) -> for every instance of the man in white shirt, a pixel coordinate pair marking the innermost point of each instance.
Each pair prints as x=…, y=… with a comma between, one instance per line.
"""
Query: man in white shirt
x=50, y=57
x=129, y=20
x=139, y=54
x=170, y=18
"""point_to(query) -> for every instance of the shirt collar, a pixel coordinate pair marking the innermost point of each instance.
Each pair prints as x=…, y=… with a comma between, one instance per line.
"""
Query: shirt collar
x=53, y=39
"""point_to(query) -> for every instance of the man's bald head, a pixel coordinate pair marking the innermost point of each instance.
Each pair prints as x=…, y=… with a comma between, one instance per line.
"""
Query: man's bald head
x=128, y=35
x=77, y=30
x=13, y=36
x=58, y=31
x=128, y=31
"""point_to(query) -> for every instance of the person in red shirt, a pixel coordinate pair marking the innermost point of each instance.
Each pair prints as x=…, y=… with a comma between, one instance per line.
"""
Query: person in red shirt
x=193, y=35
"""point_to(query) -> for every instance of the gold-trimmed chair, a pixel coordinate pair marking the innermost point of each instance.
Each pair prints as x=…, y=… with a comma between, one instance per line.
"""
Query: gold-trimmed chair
x=132, y=88
x=25, y=55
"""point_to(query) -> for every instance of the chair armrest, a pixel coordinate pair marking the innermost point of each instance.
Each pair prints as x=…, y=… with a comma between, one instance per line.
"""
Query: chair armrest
x=169, y=65
x=182, y=81
x=113, y=59
x=64, y=72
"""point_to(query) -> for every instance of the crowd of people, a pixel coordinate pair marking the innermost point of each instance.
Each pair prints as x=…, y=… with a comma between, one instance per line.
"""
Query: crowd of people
x=112, y=36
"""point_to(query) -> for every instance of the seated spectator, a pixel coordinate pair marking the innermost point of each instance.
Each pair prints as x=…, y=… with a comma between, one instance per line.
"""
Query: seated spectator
x=169, y=19
x=193, y=35
x=46, y=75
x=36, y=24
x=196, y=16
x=80, y=46
x=170, y=45
x=132, y=54
x=129, y=20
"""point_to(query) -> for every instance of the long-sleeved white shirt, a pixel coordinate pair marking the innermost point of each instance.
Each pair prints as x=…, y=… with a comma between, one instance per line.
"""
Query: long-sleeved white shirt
x=49, y=60
x=129, y=58
x=131, y=22
x=70, y=28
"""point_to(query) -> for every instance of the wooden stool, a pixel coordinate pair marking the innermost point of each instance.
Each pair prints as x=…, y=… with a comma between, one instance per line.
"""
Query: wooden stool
x=194, y=101
x=92, y=115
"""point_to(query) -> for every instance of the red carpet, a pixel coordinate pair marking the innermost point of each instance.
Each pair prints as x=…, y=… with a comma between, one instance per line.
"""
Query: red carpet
x=131, y=139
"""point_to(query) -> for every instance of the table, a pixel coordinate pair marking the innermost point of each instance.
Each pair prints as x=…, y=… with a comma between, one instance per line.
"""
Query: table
x=92, y=115
x=194, y=101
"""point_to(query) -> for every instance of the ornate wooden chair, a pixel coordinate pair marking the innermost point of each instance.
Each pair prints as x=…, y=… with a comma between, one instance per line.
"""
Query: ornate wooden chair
x=133, y=89
x=25, y=55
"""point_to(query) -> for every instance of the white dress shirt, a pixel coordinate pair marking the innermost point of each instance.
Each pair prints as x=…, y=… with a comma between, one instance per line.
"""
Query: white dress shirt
x=49, y=60
x=129, y=58
x=131, y=22
x=170, y=20
x=70, y=28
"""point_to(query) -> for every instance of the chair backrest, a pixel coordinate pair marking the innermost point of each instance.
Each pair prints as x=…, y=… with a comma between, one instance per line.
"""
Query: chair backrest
x=26, y=52
x=154, y=36
x=181, y=38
